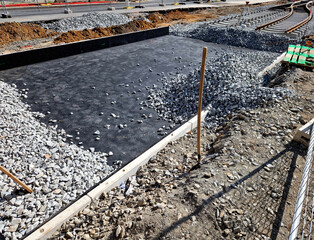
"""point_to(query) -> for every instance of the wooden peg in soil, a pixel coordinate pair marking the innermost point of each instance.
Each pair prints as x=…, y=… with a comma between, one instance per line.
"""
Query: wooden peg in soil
x=15, y=179
x=199, y=111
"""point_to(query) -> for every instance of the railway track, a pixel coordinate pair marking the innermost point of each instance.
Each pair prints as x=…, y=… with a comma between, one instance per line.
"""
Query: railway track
x=247, y=19
x=293, y=24
x=275, y=20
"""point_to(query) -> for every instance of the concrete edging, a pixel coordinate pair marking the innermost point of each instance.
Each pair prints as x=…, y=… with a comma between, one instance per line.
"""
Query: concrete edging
x=47, y=230
x=271, y=66
x=303, y=134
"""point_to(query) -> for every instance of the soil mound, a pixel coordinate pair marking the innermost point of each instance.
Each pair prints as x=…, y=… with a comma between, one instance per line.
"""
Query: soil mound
x=73, y=36
x=13, y=31
x=172, y=16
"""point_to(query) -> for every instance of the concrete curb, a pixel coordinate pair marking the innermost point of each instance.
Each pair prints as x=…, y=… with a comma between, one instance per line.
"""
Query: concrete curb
x=47, y=230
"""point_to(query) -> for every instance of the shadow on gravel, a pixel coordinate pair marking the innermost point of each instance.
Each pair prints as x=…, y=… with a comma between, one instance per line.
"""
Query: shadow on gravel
x=285, y=192
x=290, y=148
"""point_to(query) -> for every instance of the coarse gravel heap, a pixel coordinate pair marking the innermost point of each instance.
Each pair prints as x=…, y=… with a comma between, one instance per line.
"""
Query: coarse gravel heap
x=231, y=84
x=38, y=155
x=87, y=21
x=235, y=36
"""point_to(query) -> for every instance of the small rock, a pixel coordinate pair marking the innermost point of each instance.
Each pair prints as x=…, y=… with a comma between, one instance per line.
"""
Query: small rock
x=13, y=228
x=118, y=231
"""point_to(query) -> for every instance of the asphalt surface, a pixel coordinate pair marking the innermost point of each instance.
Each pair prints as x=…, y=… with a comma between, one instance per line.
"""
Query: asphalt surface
x=81, y=92
x=16, y=12
x=57, y=12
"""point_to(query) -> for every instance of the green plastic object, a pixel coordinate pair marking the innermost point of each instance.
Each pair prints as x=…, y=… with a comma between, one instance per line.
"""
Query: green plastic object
x=309, y=63
x=301, y=61
x=294, y=60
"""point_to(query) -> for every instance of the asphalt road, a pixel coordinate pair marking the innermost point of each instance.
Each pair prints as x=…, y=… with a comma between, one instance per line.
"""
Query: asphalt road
x=19, y=12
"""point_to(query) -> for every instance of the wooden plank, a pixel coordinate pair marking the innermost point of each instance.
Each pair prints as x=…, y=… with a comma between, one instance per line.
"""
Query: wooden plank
x=289, y=53
x=295, y=56
x=303, y=134
x=15, y=179
x=51, y=226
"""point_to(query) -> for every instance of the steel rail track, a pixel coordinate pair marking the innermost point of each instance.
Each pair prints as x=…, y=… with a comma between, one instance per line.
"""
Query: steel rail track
x=247, y=19
x=279, y=19
x=305, y=21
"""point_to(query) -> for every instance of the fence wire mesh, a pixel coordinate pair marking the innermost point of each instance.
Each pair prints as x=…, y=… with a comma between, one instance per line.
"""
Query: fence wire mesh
x=302, y=223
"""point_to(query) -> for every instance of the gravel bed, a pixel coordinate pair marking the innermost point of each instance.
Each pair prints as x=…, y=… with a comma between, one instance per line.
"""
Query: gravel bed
x=38, y=155
x=231, y=84
x=89, y=21
x=235, y=36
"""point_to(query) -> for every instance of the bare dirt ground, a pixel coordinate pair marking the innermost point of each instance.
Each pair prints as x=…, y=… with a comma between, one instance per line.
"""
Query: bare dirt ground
x=16, y=37
x=246, y=188
x=15, y=32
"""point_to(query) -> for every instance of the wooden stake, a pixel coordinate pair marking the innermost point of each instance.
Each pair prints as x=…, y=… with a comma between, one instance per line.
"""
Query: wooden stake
x=200, y=97
x=15, y=179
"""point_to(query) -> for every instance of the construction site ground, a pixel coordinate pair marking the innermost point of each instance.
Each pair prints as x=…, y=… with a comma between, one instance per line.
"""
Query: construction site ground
x=246, y=188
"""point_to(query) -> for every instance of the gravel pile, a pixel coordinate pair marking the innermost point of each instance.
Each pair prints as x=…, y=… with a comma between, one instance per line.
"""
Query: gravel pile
x=89, y=21
x=38, y=155
x=235, y=36
x=231, y=84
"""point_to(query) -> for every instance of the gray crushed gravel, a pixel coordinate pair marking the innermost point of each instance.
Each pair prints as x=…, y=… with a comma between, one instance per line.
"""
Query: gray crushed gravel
x=38, y=155
x=231, y=84
x=87, y=21
x=235, y=36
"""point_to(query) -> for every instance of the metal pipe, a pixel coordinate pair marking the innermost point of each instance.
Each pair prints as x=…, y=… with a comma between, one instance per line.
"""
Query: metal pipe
x=311, y=222
x=4, y=7
x=303, y=186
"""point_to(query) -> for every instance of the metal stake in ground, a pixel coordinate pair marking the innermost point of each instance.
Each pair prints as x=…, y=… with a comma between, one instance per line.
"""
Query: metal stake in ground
x=5, y=13
x=67, y=10
x=15, y=179
x=199, y=111
x=111, y=7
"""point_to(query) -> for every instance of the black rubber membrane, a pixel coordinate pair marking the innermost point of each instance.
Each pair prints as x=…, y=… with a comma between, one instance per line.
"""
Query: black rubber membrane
x=33, y=56
x=76, y=90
